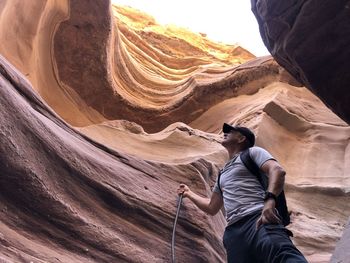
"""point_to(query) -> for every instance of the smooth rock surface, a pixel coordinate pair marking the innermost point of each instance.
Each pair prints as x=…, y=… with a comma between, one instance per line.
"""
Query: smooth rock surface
x=342, y=252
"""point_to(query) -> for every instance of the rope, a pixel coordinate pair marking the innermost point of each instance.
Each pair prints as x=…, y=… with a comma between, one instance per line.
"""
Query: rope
x=174, y=228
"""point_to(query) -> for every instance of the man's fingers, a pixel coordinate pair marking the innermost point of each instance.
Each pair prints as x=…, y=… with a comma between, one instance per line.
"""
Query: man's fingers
x=259, y=222
x=275, y=218
x=270, y=217
x=181, y=190
x=278, y=219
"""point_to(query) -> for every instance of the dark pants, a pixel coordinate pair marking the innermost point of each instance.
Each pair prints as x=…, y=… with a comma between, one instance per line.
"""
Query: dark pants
x=269, y=244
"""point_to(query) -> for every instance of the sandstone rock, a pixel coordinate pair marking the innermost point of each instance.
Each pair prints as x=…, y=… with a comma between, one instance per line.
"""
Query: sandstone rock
x=341, y=253
x=70, y=198
x=118, y=113
x=310, y=39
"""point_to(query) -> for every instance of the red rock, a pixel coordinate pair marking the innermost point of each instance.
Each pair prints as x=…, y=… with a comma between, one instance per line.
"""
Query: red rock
x=101, y=119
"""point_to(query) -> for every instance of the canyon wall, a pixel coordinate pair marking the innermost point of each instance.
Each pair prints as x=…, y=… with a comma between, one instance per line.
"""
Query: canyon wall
x=104, y=112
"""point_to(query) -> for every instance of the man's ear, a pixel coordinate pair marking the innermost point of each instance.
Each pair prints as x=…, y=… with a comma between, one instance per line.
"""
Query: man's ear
x=241, y=138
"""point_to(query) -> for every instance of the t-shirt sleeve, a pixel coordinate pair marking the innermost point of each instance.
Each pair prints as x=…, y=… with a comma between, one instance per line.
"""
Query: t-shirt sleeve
x=260, y=155
x=216, y=188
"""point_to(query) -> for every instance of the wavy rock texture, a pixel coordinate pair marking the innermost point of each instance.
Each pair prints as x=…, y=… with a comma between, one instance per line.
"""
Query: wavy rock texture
x=104, y=112
x=310, y=40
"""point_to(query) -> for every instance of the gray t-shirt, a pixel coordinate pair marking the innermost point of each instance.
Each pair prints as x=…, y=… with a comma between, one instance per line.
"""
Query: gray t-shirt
x=242, y=193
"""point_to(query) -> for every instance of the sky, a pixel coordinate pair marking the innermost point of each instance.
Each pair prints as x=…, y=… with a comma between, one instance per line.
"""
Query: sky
x=226, y=21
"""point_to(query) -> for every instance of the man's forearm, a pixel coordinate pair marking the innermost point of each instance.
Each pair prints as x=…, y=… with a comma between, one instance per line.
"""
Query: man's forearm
x=201, y=202
x=209, y=205
x=276, y=180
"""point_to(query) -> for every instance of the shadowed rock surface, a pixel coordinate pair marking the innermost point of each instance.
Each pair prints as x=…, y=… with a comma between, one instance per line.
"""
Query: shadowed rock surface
x=310, y=39
x=103, y=113
x=342, y=253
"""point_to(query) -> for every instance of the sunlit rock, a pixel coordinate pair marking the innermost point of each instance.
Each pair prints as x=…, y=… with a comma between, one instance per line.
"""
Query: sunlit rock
x=103, y=112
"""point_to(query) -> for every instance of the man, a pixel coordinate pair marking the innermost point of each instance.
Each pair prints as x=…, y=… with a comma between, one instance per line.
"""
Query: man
x=254, y=231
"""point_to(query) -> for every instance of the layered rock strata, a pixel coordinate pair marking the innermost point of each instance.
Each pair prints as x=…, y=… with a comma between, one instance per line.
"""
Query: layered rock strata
x=310, y=40
x=103, y=114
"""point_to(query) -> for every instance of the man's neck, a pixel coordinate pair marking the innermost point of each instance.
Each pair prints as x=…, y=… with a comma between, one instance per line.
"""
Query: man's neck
x=233, y=151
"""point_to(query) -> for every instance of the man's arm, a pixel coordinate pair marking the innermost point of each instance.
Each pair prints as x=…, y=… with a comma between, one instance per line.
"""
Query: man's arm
x=276, y=176
x=209, y=205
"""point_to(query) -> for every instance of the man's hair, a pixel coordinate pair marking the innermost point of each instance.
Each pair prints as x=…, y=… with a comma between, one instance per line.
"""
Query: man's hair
x=246, y=143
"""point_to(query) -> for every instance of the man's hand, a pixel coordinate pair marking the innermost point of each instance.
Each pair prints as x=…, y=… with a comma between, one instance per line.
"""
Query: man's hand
x=183, y=190
x=269, y=214
x=210, y=205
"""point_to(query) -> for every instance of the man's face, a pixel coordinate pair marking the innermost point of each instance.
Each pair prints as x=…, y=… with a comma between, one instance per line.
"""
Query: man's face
x=232, y=138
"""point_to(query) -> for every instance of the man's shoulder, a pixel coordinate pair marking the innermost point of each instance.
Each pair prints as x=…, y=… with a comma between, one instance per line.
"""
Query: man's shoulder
x=256, y=149
x=259, y=154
